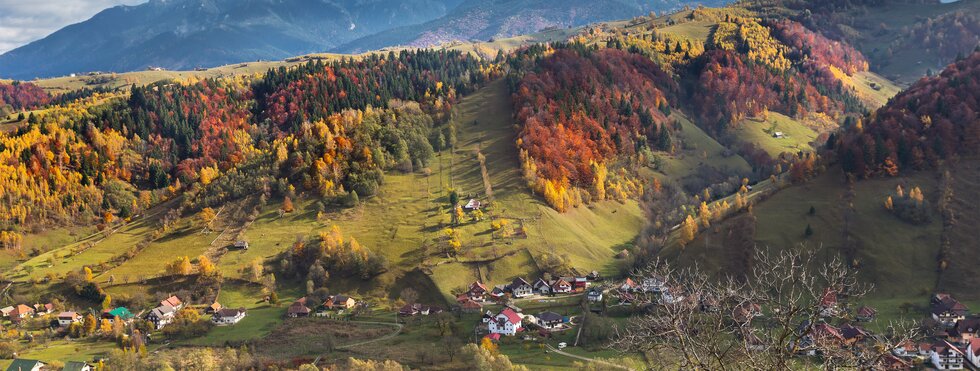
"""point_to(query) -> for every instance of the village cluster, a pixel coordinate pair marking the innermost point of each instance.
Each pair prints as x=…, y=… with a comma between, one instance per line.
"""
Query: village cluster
x=955, y=340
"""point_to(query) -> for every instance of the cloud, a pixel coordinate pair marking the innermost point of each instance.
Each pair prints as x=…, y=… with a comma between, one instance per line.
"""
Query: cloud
x=24, y=21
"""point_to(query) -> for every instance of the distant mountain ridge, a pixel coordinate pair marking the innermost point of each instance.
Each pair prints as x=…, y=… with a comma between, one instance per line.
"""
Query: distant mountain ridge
x=184, y=34
x=485, y=19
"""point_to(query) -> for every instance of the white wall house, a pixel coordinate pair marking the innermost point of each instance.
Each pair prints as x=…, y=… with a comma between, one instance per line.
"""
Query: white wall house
x=507, y=322
x=228, y=316
x=945, y=356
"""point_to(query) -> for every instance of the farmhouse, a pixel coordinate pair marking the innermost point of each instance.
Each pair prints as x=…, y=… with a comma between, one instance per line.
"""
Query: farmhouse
x=965, y=331
x=542, y=287
x=477, y=291
x=595, y=295
x=21, y=312
x=228, y=316
x=498, y=294
x=41, y=309
x=549, y=320
x=471, y=306
x=973, y=353
x=122, y=312
x=507, y=322
x=866, y=314
x=473, y=204
x=173, y=302
x=628, y=286
x=298, y=309
x=161, y=316
x=828, y=303
x=25, y=365
x=561, y=286
x=76, y=366
x=5, y=311
x=653, y=284
x=947, y=310
x=214, y=307
x=519, y=288
x=339, y=302
x=65, y=319
x=945, y=356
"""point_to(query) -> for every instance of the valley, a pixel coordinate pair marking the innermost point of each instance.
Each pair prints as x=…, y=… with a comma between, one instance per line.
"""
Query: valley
x=568, y=186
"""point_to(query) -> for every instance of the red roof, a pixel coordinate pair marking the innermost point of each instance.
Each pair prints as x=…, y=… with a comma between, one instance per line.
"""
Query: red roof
x=829, y=297
x=469, y=304
x=172, y=301
x=511, y=315
x=478, y=287
x=494, y=337
x=974, y=346
x=629, y=282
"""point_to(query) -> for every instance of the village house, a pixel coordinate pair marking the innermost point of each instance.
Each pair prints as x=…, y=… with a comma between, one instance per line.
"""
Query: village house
x=241, y=245
x=946, y=356
x=964, y=331
x=173, y=302
x=20, y=313
x=498, y=294
x=542, y=287
x=338, y=302
x=228, y=316
x=519, y=288
x=472, y=204
x=487, y=317
x=121, y=312
x=669, y=296
x=947, y=310
x=853, y=334
x=579, y=284
x=298, y=309
x=471, y=306
x=77, y=366
x=828, y=303
x=477, y=291
x=26, y=365
x=561, y=286
x=214, y=307
x=745, y=312
x=507, y=322
x=907, y=349
x=891, y=362
x=595, y=295
x=972, y=352
x=628, y=286
x=161, y=316
x=42, y=309
x=5, y=311
x=65, y=319
x=653, y=284
x=865, y=314
x=549, y=320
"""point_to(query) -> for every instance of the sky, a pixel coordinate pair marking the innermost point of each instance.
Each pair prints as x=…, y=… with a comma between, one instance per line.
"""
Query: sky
x=23, y=21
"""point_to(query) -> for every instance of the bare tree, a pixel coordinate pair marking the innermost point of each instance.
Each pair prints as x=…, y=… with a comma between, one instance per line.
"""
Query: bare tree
x=784, y=308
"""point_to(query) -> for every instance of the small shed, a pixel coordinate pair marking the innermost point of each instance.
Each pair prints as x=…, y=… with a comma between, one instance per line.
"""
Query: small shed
x=241, y=245
x=473, y=204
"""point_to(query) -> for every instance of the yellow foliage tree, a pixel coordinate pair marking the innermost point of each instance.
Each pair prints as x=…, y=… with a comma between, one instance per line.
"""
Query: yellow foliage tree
x=689, y=229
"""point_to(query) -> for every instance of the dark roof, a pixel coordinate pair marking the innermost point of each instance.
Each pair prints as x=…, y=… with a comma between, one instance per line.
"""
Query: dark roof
x=226, y=312
x=969, y=325
x=74, y=366
x=23, y=364
x=519, y=281
x=866, y=311
x=948, y=304
x=549, y=316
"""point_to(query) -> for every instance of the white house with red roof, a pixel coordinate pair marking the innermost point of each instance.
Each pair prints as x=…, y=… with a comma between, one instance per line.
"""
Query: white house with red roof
x=507, y=322
x=946, y=356
x=973, y=352
x=828, y=303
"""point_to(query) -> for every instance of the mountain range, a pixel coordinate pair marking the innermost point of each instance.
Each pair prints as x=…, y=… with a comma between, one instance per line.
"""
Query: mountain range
x=186, y=34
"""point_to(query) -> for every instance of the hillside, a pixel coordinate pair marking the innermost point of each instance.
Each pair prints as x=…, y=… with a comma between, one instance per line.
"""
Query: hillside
x=186, y=34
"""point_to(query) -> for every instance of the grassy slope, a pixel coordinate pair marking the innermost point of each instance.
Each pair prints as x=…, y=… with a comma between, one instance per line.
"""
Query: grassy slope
x=698, y=150
x=797, y=137
x=961, y=277
x=897, y=257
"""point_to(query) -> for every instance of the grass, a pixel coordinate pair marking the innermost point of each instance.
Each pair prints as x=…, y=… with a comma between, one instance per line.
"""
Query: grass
x=694, y=30
x=797, y=137
x=898, y=258
x=960, y=277
x=873, y=89
x=698, y=150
